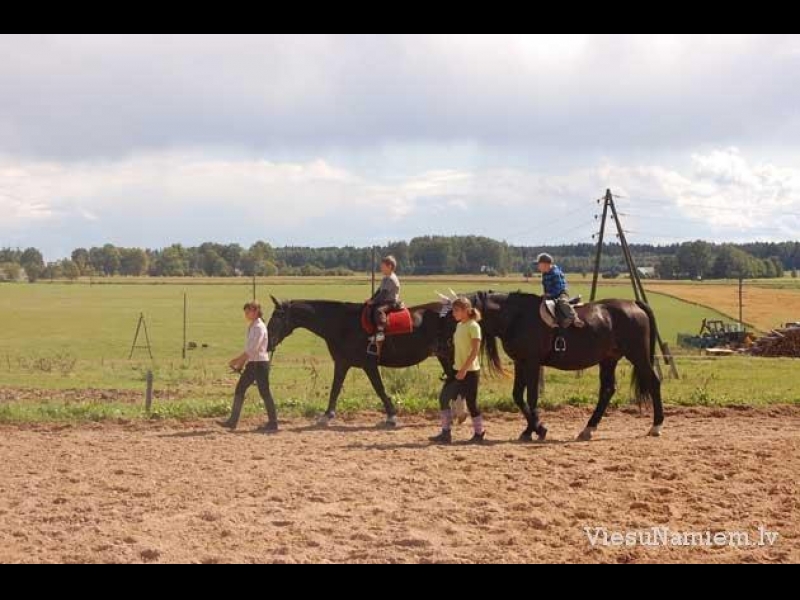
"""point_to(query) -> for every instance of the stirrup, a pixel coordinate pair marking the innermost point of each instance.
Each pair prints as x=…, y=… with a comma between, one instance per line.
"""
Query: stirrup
x=561, y=344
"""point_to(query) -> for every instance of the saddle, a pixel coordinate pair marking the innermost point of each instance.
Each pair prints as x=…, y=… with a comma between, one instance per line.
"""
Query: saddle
x=549, y=314
x=400, y=321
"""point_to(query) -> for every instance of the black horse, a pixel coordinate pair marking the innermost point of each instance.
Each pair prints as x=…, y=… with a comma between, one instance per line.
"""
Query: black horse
x=339, y=324
x=615, y=329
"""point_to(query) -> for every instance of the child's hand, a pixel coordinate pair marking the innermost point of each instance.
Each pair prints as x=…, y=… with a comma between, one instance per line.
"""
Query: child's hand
x=462, y=375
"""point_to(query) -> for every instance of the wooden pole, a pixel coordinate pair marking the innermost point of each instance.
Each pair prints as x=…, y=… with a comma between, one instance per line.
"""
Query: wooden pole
x=600, y=242
x=148, y=400
x=626, y=251
x=638, y=288
x=136, y=335
x=185, y=307
x=741, y=302
x=254, y=288
x=373, y=269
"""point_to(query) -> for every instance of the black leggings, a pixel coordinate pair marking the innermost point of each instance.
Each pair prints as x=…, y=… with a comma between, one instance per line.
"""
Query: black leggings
x=258, y=373
x=467, y=389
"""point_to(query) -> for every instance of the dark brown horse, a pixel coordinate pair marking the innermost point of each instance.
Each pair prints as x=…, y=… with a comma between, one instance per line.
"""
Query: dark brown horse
x=339, y=324
x=615, y=329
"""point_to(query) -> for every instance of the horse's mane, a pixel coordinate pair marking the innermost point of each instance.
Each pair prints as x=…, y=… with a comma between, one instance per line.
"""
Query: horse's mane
x=356, y=307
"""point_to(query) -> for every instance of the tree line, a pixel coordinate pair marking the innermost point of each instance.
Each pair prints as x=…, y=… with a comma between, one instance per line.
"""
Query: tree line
x=430, y=255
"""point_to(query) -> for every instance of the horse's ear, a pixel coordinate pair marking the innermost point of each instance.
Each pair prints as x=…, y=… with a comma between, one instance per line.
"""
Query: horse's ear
x=276, y=302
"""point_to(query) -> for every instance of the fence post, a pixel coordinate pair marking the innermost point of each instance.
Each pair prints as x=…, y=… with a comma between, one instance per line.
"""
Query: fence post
x=148, y=400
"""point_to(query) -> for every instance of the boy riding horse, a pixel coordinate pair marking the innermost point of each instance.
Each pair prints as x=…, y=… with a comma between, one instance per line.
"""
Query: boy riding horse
x=555, y=288
x=385, y=300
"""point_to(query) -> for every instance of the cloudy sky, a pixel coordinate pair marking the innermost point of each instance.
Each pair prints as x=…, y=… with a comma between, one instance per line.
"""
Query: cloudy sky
x=149, y=140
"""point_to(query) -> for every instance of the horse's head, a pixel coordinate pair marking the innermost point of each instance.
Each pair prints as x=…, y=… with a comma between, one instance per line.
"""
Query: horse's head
x=280, y=324
x=493, y=307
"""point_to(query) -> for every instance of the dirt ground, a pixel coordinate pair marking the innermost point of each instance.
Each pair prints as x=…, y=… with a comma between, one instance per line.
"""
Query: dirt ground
x=170, y=492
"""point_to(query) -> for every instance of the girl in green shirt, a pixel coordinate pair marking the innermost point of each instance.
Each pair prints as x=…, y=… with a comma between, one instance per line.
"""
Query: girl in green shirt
x=467, y=343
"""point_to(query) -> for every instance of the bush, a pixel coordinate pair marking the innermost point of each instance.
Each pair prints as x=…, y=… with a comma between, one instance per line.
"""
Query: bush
x=311, y=271
x=10, y=272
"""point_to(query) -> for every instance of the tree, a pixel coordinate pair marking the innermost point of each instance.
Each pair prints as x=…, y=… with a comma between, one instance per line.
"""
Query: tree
x=732, y=263
x=311, y=271
x=432, y=255
x=695, y=259
x=133, y=262
x=780, y=271
x=401, y=252
x=52, y=271
x=7, y=255
x=263, y=250
x=259, y=260
x=111, y=260
x=173, y=262
x=10, y=271
x=667, y=268
x=215, y=266
x=233, y=253
x=33, y=263
x=80, y=257
x=770, y=272
x=106, y=260
x=70, y=270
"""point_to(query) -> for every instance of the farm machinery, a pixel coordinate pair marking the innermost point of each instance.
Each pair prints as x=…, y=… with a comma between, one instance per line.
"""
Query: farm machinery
x=717, y=334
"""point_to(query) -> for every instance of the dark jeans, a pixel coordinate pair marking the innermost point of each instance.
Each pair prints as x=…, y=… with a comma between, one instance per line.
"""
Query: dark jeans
x=467, y=389
x=258, y=373
x=565, y=312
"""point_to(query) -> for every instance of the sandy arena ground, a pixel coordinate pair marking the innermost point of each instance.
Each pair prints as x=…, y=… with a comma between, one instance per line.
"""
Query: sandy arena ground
x=168, y=492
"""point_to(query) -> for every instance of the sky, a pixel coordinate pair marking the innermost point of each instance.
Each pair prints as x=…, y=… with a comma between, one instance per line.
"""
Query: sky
x=359, y=140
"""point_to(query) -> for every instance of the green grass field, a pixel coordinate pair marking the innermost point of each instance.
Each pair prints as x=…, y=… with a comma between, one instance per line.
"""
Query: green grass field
x=58, y=337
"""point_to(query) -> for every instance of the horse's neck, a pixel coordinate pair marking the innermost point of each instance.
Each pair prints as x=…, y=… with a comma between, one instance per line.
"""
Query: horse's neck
x=516, y=307
x=317, y=317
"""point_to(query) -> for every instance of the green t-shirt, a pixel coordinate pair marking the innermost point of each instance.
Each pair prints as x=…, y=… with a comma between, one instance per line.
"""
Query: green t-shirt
x=465, y=334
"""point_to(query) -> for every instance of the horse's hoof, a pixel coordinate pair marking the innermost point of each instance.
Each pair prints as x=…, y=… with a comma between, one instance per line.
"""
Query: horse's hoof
x=541, y=433
x=389, y=423
x=526, y=437
x=325, y=420
x=587, y=434
x=655, y=431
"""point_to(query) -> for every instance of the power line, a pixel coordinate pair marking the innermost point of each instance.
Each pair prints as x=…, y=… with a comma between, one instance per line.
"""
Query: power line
x=669, y=204
x=558, y=221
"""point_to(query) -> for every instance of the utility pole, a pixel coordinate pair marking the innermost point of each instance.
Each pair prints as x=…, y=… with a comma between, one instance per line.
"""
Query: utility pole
x=636, y=281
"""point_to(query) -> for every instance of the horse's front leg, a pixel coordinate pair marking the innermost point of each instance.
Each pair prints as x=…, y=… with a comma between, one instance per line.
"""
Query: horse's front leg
x=339, y=375
x=374, y=374
x=533, y=380
x=520, y=383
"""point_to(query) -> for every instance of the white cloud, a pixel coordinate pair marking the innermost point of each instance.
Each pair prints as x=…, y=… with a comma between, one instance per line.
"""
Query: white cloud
x=160, y=198
x=78, y=97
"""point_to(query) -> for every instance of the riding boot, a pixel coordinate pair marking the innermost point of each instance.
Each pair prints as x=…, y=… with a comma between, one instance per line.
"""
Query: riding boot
x=236, y=413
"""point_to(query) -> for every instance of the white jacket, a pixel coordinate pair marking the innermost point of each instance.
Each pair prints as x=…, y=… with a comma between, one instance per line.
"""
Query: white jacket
x=257, y=342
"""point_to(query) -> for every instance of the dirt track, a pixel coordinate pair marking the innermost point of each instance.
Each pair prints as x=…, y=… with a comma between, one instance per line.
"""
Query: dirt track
x=190, y=493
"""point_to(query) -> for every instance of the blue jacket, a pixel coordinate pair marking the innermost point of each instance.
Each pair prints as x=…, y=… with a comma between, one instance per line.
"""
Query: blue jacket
x=554, y=283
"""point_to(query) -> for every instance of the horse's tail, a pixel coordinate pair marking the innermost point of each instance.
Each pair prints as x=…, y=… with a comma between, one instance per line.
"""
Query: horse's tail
x=653, y=330
x=492, y=354
x=641, y=380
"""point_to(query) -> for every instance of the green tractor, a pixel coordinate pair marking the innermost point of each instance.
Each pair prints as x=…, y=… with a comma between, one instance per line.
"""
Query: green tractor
x=717, y=334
